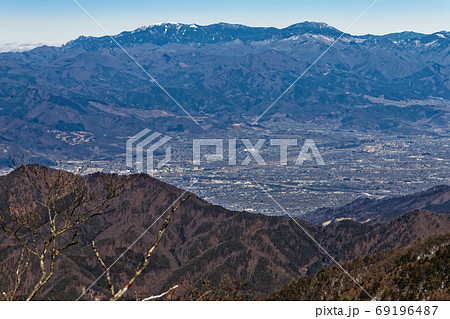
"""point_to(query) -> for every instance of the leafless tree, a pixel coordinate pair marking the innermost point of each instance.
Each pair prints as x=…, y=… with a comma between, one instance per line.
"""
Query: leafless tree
x=46, y=220
x=116, y=295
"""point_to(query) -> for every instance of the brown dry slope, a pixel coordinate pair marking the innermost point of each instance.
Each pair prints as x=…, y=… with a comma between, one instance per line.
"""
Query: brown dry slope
x=206, y=241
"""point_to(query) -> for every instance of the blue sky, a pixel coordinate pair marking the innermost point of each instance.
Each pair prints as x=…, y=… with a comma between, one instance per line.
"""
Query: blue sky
x=57, y=21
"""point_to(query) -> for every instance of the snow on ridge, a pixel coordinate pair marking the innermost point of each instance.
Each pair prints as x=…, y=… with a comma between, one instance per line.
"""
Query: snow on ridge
x=321, y=37
x=165, y=24
x=292, y=38
x=430, y=43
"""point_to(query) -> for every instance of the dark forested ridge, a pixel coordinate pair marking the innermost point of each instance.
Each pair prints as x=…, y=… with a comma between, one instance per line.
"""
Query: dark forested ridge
x=415, y=271
x=203, y=241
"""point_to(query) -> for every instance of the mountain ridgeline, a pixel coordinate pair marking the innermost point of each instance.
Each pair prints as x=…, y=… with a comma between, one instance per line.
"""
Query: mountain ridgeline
x=52, y=97
x=365, y=210
x=202, y=242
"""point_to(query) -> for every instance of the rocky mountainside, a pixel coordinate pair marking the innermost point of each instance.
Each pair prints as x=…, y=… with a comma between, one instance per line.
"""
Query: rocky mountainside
x=202, y=241
x=415, y=271
x=436, y=199
x=84, y=98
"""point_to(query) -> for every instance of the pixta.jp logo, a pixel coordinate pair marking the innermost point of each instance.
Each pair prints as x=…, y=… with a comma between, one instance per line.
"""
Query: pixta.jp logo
x=144, y=145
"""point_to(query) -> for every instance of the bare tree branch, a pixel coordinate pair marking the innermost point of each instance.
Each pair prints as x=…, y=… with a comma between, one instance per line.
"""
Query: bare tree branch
x=22, y=265
x=108, y=277
x=46, y=220
x=160, y=295
x=143, y=265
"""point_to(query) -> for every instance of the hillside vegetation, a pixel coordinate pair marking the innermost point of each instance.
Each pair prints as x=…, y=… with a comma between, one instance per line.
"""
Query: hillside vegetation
x=415, y=271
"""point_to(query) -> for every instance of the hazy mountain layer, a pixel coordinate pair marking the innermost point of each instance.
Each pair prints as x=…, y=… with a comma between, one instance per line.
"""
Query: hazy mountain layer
x=80, y=100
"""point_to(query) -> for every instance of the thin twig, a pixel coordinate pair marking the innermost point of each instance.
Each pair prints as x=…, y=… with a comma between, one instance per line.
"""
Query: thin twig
x=149, y=253
x=161, y=295
x=108, y=277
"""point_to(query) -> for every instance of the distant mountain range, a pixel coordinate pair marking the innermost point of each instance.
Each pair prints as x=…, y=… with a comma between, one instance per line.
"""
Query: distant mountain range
x=204, y=241
x=80, y=100
x=164, y=33
x=365, y=210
